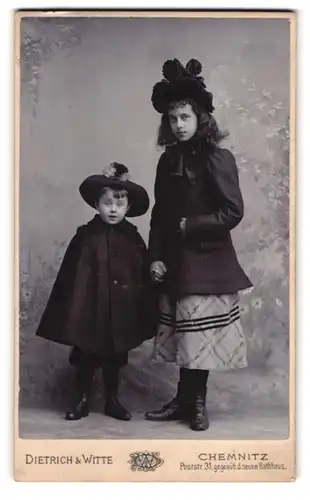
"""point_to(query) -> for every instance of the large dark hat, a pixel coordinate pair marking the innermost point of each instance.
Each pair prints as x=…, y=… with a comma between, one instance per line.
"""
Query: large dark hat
x=116, y=176
x=181, y=83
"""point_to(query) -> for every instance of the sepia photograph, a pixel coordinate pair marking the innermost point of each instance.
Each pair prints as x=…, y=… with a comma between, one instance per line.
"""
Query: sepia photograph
x=154, y=244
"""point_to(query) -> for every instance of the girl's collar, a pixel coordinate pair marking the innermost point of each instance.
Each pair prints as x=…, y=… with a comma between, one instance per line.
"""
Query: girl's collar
x=192, y=146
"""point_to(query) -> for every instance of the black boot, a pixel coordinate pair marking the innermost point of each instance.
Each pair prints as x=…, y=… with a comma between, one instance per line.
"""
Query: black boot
x=81, y=406
x=113, y=407
x=177, y=409
x=199, y=417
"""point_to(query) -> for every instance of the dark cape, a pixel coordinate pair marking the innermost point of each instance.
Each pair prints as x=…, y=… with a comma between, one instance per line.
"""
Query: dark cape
x=102, y=299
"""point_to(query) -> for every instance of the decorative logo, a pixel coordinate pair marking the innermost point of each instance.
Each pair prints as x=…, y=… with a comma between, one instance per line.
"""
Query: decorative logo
x=145, y=461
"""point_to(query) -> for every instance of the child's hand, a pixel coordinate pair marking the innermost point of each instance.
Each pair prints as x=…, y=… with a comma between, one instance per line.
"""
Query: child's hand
x=158, y=270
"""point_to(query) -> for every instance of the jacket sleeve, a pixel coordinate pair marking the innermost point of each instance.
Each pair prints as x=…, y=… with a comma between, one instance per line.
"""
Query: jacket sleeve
x=224, y=180
x=155, y=245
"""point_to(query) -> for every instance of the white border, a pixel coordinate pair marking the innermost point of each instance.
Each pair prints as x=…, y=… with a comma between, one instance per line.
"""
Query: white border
x=12, y=490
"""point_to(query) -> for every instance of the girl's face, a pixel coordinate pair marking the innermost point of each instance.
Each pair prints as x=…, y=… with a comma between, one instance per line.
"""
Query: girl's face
x=112, y=206
x=183, y=121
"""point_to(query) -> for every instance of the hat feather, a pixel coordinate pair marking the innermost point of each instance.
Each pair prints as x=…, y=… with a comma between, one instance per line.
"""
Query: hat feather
x=117, y=171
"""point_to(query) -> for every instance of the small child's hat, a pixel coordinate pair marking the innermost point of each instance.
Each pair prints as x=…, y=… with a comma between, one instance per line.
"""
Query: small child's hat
x=181, y=83
x=115, y=176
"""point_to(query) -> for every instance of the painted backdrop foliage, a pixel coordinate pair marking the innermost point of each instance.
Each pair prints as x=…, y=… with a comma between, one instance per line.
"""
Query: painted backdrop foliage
x=85, y=100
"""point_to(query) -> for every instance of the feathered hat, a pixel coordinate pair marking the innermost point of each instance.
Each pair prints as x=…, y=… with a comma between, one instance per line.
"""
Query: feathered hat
x=180, y=83
x=115, y=176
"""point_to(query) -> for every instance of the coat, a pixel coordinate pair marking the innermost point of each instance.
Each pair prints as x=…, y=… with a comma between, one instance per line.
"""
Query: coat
x=201, y=185
x=101, y=301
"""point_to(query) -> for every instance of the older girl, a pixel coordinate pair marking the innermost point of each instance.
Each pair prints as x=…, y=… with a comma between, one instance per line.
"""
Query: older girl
x=197, y=203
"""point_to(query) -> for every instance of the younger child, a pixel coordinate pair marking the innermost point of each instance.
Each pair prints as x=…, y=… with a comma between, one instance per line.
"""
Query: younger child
x=100, y=301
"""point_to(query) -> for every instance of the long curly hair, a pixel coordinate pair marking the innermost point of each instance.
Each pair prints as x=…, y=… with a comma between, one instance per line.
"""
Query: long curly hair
x=208, y=131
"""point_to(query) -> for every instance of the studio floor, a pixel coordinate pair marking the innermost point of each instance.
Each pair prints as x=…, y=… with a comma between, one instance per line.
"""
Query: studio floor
x=37, y=423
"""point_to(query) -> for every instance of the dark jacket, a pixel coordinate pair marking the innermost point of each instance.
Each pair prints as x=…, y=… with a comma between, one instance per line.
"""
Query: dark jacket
x=201, y=185
x=101, y=300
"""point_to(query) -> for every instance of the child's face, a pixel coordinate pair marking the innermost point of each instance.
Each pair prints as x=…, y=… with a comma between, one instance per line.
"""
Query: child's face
x=183, y=121
x=112, y=206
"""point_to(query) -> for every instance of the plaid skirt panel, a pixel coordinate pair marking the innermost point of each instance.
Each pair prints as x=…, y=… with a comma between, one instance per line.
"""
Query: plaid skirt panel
x=201, y=332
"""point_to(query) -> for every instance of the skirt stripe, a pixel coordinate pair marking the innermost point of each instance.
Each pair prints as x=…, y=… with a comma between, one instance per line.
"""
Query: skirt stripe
x=218, y=317
x=203, y=323
x=193, y=327
x=193, y=339
x=208, y=326
x=213, y=317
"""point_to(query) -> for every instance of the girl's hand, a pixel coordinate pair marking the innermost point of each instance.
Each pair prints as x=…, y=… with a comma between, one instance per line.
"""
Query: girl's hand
x=182, y=225
x=158, y=270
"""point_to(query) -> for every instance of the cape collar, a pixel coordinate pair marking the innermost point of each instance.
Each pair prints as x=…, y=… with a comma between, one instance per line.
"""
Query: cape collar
x=97, y=225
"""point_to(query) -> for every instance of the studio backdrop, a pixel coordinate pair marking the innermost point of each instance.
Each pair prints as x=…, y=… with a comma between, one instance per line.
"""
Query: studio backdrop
x=86, y=85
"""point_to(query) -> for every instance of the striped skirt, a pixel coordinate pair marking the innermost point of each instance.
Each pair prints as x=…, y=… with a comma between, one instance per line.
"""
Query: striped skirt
x=201, y=332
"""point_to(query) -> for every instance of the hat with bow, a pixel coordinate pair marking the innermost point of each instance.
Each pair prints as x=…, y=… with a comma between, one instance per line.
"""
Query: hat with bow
x=181, y=83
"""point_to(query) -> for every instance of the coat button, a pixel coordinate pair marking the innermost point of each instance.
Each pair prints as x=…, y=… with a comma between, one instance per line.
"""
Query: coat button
x=115, y=282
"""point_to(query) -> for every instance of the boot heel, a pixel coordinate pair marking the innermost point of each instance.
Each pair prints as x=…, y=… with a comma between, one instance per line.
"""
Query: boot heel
x=85, y=412
x=199, y=418
x=114, y=409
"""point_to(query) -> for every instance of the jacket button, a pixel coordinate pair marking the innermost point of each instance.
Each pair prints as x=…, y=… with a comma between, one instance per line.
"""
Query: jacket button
x=114, y=254
x=115, y=282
